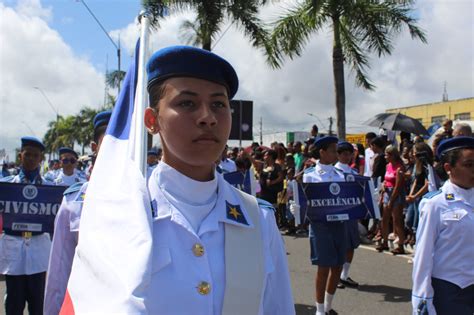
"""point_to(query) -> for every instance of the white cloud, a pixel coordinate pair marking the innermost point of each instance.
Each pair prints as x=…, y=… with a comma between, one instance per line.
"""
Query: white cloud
x=413, y=74
x=33, y=54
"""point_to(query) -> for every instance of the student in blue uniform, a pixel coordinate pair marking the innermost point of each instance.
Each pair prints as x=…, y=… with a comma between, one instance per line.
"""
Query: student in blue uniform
x=24, y=255
x=345, y=152
x=216, y=251
x=66, y=228
x=328, y=240
x=69, y=174
x=443, y=272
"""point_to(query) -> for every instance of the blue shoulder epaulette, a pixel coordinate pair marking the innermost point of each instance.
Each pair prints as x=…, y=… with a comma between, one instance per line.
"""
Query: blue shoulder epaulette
x=309, y=169
x=265, y=204
x=431, y=194
x=73, y=188
x=7, y=179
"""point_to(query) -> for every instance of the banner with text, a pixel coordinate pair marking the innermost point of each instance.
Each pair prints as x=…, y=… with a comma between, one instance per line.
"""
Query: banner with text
x=29, y=208
x=338, y=201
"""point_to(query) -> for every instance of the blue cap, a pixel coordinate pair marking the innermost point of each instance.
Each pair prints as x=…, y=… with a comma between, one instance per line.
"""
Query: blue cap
x=344, y=145
x=187, y=61
x=454, y=143
x=320, y=142
x=32, y=141
x=64, y=150
x=102, y=118
x=152, y=152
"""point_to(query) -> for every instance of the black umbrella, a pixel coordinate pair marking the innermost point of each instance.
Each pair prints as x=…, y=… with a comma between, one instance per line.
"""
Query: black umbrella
x=397, y=121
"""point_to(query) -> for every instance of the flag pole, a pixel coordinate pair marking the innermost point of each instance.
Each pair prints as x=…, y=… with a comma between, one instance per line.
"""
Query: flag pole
x=141, y=99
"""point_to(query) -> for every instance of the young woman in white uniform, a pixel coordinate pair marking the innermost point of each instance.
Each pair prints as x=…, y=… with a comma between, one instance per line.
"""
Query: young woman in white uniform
x=215, y=250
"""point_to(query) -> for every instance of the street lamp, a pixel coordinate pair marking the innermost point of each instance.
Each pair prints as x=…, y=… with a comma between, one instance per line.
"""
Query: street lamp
x=50, y=105
x=107, y=34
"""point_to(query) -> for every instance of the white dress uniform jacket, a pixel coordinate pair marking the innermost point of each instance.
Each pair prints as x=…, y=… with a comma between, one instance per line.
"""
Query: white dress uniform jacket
x=66, y=227
x=68, y=180
x=24, y=256
x=445, y=242
x=188, y=260
x=228, y=166
x=322, y=173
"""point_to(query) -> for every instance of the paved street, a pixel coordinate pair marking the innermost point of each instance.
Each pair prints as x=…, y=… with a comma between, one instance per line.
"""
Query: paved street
x=385, y=282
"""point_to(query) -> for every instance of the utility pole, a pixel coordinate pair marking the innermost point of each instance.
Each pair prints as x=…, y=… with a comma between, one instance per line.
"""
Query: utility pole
x=330, y=125
x=261, y=131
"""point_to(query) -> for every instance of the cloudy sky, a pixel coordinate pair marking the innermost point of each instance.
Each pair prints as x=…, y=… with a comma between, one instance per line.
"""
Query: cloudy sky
x=56, y=45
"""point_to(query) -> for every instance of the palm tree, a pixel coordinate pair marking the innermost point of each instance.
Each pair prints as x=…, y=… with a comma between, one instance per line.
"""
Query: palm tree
x=114, y=78
x=211, y=15
x=359, y=28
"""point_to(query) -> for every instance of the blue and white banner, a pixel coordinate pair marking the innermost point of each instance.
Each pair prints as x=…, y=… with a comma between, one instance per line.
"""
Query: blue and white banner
x=29, y=208
x=338, y=201
x=240, y=180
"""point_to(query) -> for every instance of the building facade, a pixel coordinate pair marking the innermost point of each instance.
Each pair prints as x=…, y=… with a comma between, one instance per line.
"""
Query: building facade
x=428, y=114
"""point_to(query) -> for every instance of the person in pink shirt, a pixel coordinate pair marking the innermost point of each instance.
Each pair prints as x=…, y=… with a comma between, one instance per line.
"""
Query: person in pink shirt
x=393, y=199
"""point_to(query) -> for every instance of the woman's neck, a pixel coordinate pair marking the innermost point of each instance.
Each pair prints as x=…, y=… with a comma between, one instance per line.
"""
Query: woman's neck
x=202, y=173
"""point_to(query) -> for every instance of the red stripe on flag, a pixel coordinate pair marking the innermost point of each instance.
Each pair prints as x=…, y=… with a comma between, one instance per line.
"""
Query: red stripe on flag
x=67, y=308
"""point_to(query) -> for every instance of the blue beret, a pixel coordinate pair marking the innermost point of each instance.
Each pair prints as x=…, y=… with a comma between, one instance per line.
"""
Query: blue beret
x=344, y=145
x=152, y=152
x=325, y=141
x=102, y=118
x=454, y=143
x=32, y=141
x=187, y=61
x=64, y=150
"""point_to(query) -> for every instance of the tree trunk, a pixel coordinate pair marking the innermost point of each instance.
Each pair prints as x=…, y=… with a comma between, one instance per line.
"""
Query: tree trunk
x=207, y=44
x=338, y=72
x=149, y=141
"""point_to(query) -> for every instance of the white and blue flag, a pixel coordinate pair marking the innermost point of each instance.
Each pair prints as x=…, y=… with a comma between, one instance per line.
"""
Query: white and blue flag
x=111, y=268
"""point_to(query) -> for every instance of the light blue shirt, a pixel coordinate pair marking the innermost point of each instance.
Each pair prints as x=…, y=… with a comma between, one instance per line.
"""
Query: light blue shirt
x=445, y=242
x=177, y=271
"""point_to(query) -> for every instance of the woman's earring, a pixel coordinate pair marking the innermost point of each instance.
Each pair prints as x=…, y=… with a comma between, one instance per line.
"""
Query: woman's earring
x=152, y=129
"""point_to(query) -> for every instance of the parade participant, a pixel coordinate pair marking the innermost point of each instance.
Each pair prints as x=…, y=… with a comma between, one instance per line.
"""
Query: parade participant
x=234, y=247
x=66, y=228
x=443, y=276
x=327, y=239
x=68, y=173
x=226, y=164
x=393, y=200
x=24, y=255
x=345, y=152
x=55, y=168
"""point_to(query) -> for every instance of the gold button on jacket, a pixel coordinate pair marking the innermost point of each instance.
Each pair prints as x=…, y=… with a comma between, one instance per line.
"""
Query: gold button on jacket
x=198, y=250
x=204, y=288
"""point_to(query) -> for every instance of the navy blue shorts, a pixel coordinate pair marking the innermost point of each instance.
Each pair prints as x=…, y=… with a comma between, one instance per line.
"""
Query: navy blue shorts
x=328, y=241
x=353, y=238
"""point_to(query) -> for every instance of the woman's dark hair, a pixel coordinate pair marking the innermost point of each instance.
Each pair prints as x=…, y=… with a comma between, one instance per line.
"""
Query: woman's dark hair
x=378, y=142
x=156, y=93
x=281, y=152
x=272, y=153
x=451, y=157
x=98, y=132
x=424, y=156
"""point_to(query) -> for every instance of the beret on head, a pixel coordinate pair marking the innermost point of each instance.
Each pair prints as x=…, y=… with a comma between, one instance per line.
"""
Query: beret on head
x=187, y=61
x=102, y=118
x=320, y=142
x=454, y=143
x=344, y=145
x=152, y=152
x=33, y=142
x=64, y=150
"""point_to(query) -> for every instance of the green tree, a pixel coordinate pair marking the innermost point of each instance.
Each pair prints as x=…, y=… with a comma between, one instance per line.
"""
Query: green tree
x=211, y=15
x=359, y=28
x=114, y=78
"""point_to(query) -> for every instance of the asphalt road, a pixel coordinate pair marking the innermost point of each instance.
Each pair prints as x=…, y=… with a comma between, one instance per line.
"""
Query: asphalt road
x=385, y=282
